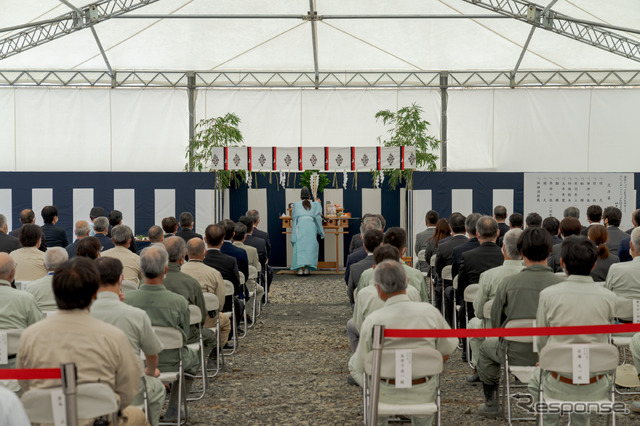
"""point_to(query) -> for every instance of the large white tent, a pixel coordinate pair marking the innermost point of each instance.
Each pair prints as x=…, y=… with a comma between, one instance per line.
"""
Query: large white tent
x=297, y=78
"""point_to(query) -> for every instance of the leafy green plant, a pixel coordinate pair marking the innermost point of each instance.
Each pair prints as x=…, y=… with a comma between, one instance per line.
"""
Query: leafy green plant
x=210, y=133
x=409, y=129
x=305, y=179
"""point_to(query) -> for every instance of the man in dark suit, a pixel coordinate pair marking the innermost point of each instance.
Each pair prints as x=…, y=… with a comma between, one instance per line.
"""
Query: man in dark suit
x=256, y=242
x=569, y=226
x=228, y=248
x=186, y=227
x=422, y=238
x=623, y=248
x=169, y=226
x=552, y=226
x=56, y=236
x=474, y=262
x=371, y=222
x=500, y=215
x=100, y=227
x=225, y=264
x=612, y=217
x=27, y=216
x=8, y=243
x=594, y=216
x=372, y=240
x=254, y=215
x=445, y=249
x=81, y=231
x=456, y=257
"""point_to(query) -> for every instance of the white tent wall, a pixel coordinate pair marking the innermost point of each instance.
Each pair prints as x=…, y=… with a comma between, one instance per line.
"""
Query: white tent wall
x=63, y=129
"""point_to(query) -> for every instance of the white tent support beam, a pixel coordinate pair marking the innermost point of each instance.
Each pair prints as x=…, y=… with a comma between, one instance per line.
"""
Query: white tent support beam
x=305, y=17
x=444, y=101
x=38, y=34
x=313, y=17
x=590, y=33
x=330, y=79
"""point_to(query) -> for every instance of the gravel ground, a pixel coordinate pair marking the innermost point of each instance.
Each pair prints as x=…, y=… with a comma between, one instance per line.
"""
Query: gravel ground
x=291, y=369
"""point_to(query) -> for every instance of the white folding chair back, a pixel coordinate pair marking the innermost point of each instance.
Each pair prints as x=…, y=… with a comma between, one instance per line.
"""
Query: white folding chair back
x=559, y=358
x=470, y=292
x=447, y=272
x=229, y=291
x=195, y=315
x=253, y=272
x=486, y=309
x=22, y=285
x=522, y=372
x=128, y=286
x=421, y=255
x=228, y=288
x=172, y=338
x=13, y=338
x=213, y=304
x=624, y=309
x=243, y=279
x=94, y=400
x=432, y=261
x=195, y=318
x=211, y=301
x=519, y=323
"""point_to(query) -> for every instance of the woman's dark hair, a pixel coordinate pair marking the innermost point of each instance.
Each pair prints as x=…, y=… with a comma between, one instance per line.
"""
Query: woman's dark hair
x=29, y=234
x=305, y=194
x=89, y=247
x=442, y=231
x=599, y=235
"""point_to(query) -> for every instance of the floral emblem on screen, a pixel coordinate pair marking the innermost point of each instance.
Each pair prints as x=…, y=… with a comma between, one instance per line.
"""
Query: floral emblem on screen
x=215, y=160
x=262, y=159
x=313, y=160
x=412, y=159
x=390, y=159
x=339, y=160
x=236, y=160
x=287, y=160
x=365, y=159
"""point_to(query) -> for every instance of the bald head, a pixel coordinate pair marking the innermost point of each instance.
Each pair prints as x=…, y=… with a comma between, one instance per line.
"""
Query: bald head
x=196, y=249
x=7, y=267
x=82, y=229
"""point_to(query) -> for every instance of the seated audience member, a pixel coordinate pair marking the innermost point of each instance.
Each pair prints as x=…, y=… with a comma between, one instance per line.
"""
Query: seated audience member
x=122, y=236
x=444, y=254
x=488, y=284
x=136, y=325
x=516, y=221
x=397, y=237
x=185, y=285
x=594, y=216
x=367, y=299
x=210, y=281
x=115, y=219
x=240, y=255
x=443, y=232
x=81, y=231
x=612, y=217
x=568, y=226
x=400, y=312
x=552, y=226
x=254, y=215
x=55, y=236
x=156, y=234
x=534, y=220
x=41, y=289
x=356, y=239
x=370, y=222
x=572, y=212
x=101, y=352
x=29, y=259
x=89, y=247
x=422, y=238
x=186, y=227
x=623, y=248
x=8, y=243
x=28, y=216
x=18, y=309
x=500, y=215
x=624, y=278
x=11, y=409
x=516, y=298
x=456, y=256
x=169, y=226
x=239, y=236
x=165, y=309
x=95, y=213
x=474, y=262
x=599, y=235
x=372, y=240
x=256, y=242
x=100, y=228
x=225, y=264
x=557, y=308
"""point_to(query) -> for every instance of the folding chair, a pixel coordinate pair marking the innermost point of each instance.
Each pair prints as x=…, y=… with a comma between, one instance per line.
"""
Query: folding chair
x=456, y=307
x=446, y=276
x=243, y=282
x=172, y=339
x=432, y=272
x=558, y=359
x=93, y=400
x=11, y=349
x=624, y=312
x=128, y=286
x=522, y=372
x=195, y=318
x=426, y=275
x=253, y=295
x=469, y=296
x=486, y=309
x=425, y=363
x=229, y=290
x=213, y=304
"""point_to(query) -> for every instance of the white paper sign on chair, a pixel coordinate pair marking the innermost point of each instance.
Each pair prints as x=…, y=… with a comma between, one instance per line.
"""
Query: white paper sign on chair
x=58, y=407
x=403, y=368
x=636, y=310
x=580, y=365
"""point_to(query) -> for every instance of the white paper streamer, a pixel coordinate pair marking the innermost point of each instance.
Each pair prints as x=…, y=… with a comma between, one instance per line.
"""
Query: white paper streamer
x=345, y=179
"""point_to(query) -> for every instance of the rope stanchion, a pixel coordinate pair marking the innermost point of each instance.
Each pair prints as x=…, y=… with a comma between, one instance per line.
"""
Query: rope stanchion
x=513, y=332
x=30, y=374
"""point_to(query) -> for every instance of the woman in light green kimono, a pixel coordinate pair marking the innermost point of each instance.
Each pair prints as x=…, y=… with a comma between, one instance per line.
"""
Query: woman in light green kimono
x=306, y=223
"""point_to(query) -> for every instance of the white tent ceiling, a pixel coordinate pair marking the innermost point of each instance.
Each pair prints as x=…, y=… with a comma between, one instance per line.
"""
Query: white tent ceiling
x=406, y=45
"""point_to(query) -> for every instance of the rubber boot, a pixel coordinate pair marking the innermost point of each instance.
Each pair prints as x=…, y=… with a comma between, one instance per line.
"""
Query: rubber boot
x=491, y=406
